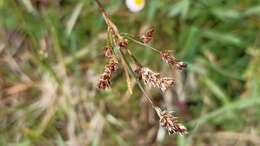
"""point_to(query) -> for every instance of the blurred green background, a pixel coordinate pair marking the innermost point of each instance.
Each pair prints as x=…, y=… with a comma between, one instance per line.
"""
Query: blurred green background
x=51, y=57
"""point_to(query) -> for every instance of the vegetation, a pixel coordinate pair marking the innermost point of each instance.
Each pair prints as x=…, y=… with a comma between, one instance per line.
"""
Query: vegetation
x=52, y=57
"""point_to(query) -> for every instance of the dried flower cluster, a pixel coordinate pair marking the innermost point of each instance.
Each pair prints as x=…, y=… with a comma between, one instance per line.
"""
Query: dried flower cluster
x=170, y=122
x=123, y=43
x=154, y=79
x=147, y=36
x=111, y=67
x=119, y=43
x=166, y=57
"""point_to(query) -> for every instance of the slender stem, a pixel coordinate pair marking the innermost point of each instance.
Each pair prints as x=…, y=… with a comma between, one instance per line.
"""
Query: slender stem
x=112, y=27
x=138, y=82
x=134, y=58
x=109, y=38
x=101, y=8
x=143, y=44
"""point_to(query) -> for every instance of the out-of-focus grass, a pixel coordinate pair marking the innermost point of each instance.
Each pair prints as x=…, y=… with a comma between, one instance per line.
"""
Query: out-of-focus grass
x=51, y=56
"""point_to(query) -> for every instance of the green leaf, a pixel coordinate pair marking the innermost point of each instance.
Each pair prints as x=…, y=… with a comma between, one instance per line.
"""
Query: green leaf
x=226, y=14
x=223, y=37
x=216, y=90
x=153, y=7
x=252, y=11
x=190, y=42
x=181, y=7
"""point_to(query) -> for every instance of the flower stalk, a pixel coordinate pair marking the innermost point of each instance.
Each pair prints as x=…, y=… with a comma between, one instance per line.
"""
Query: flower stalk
x=116, y=52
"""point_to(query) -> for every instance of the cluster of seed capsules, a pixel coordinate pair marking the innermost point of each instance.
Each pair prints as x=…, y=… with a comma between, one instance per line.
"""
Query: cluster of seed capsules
x=149, y=77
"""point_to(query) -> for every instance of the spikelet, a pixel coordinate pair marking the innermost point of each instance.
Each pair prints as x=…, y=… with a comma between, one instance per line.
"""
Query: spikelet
x=147, y=36
x=108, y=51
x=154, y=79
x=170, y=122
x=123, y=43
x=104, y=80
x=165, y=83
x=171, y=60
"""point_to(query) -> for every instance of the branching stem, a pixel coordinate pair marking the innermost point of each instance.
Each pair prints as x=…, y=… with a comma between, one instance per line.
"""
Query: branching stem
x=113, y=32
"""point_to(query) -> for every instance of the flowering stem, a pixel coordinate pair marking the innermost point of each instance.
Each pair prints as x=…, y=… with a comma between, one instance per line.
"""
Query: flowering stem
x=138, y=83
x=112, y=29
x=140, y=43
x=111, y=26
x=101, y=8
x=134, y=58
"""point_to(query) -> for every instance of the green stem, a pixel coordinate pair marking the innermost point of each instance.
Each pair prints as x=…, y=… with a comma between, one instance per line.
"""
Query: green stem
x=134, y=58
x=140, y=43
x=137, y=81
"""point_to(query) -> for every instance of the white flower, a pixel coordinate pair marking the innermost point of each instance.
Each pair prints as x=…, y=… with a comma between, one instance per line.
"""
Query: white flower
x=135, y=5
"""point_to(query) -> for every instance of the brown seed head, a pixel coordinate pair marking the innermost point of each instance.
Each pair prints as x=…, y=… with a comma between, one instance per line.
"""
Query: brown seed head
x=111, y=67
x=171, y=60
x=148, y=35
x=154, y=79
x=108, y=51
x=181, y=65
x=123, y=43
x=166, y=57
x=170, y=122
x=105, y=79
x=138, y=73
x=166, y=83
